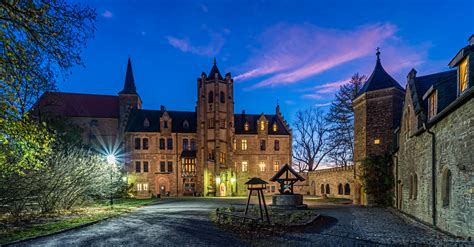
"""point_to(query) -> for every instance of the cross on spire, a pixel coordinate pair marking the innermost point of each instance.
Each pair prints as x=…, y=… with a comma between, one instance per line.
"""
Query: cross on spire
x=378, y=53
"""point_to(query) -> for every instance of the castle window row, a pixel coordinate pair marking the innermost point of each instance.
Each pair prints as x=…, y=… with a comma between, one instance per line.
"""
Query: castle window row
x=141, y=166
x=263, y=145
x=261, y=165
x=164, y=144
x=142, y=187
x=166, y=167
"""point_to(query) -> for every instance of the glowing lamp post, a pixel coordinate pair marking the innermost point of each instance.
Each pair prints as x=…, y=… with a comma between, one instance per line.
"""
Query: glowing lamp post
x=111, y=160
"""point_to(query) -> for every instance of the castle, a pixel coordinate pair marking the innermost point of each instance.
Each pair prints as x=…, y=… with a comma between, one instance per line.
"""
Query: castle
x=211, y=151
x=428, y=131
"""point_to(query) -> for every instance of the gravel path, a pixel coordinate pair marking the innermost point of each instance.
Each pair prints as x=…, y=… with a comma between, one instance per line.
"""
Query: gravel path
x=186, y=221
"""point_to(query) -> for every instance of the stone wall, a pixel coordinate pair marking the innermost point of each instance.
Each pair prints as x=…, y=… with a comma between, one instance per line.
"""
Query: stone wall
x=319, y=180
x=454, y=152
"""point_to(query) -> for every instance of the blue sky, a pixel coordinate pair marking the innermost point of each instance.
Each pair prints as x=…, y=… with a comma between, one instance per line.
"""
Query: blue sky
x=298, y=52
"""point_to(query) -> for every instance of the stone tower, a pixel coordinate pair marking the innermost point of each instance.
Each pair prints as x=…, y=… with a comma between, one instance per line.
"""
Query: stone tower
x=377, y=113
x=215, y=130
x=128, y=99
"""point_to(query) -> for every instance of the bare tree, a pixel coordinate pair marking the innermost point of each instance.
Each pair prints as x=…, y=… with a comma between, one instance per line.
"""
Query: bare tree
x=310, y=139
x=341, y=119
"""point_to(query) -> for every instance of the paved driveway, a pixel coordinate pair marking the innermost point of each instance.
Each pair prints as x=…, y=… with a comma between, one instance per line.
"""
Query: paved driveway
x=186, y=221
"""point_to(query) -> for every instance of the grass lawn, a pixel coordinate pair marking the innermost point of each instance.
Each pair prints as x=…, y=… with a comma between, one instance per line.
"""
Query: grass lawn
x=79, y=216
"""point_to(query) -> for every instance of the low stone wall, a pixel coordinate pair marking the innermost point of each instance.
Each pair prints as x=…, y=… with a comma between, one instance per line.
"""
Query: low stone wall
x=333, y=182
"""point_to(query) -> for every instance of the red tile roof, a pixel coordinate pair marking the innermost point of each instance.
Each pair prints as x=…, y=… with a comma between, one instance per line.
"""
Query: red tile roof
x=80, y=105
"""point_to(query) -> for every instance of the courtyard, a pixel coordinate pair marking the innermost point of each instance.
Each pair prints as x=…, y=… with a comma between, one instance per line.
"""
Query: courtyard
x=187, y=221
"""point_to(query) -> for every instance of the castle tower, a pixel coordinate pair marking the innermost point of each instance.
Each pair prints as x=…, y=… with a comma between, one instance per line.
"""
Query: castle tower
x=377, y=113
x=128, y=99
x=215, y=130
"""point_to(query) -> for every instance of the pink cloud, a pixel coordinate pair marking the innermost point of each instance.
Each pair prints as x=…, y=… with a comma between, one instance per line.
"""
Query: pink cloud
x=107, y=14
x=321, y=91
x=211, y=49
x=292, y=53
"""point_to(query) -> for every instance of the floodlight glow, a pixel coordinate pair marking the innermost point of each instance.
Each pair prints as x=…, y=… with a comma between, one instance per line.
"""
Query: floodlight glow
x=218, y=180
x=111, y=159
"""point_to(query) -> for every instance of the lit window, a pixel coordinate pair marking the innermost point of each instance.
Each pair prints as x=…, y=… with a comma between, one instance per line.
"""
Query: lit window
x=463, y=76
x=432, y=104
x=377, y=141
x=244, y=144
x=235, y=144
x=276, y=166
x=145, y=187
x=222, y=158
x=262, y=166
x=244, y=166
x=275, y=127
x=246, y=126
x=139, y=187
x=262, y=125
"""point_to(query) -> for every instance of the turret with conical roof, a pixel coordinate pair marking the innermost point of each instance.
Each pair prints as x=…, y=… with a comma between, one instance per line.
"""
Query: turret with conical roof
x=377, y=112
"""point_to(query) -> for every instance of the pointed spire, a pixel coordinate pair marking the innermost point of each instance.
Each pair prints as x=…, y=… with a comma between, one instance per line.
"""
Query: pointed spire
x=379, y=79
x=215, y=70
x=129, y=84
x=278, y=108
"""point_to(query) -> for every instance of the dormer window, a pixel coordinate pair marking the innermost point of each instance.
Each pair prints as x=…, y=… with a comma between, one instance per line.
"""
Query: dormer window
x=275, y=127
x=462, y=76
x=432, y=105
x=262, y=125
x=146, y=123
x=246, y=126
x=185, y=124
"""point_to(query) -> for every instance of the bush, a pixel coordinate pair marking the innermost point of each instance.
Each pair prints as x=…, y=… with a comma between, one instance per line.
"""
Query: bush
x=377, y=179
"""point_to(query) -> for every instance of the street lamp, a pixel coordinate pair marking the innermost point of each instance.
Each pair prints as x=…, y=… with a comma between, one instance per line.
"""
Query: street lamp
x=111, y=160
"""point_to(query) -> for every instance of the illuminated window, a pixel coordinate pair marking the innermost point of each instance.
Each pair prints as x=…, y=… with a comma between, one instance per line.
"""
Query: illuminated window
x=246, y=126
x=139, y=187
x=262, y=125
x=463, y=76
x=244, y=166
x=432, y=104
x=244, y=144
x=262, y=166
x=222, y=158
x=189, y=165
x=276, y=166
x=145, y=187
x=377, y=141
x=275, y=127
x=235, y=144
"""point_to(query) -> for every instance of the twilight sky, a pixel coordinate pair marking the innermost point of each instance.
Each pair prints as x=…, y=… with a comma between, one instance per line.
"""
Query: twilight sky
x=296, y=51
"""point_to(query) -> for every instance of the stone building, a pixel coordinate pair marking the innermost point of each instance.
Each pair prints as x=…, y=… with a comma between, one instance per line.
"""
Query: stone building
x=211, y=151
x=332, y=182
x=434, y=162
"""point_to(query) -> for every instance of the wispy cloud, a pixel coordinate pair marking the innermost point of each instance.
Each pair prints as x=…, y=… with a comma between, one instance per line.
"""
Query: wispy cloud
x=107, y=14
x=323, y=104
x=211, y=49
x=292, y=53
x=321, y=91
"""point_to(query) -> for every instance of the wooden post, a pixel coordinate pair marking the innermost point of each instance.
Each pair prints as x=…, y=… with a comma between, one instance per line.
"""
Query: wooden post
x=260, y=204
x=248, y=202
x=265, y=207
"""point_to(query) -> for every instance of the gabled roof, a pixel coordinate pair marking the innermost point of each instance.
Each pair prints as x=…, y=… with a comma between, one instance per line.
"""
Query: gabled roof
x=445, y=83
x=286, y=169
x=129, y=84
x=215, y=70
x=182, y=121
x=252, y=120
x=379, y=79
x=256, y=180
x=78, y=105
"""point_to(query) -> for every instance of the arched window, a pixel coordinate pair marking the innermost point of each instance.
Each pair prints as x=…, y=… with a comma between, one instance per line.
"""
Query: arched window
x=322, y=189
x=347, y=189
x=446, y=187
x=222, y=97
x=415, y=186
x=328, y=191
x=210, y=98
x=340, y=189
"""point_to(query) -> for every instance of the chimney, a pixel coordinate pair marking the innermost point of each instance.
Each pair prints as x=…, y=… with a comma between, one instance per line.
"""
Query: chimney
x=162, y=108
x=471, y=40
x=243, y=113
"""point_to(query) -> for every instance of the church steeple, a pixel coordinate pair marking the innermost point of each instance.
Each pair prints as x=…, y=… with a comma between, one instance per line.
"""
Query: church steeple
x=379, y=79
x=129, y=85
